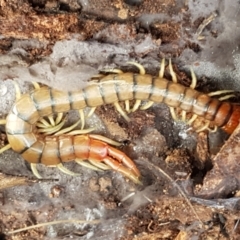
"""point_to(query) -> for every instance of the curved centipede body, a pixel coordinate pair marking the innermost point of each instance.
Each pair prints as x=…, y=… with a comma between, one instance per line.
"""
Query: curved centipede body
x=107, y=89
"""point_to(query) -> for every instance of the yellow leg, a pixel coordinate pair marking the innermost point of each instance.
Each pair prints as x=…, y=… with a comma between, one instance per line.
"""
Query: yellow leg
x=5, y=148
x=147, y=105
x=17, y=89
x=120, y=110
x=105, y=139
x=51, y=120
x=36, y=85
x=226, y=97
x=68, y=129
x=142, y=70
x=81, y=131
x=67, y=171
x=35, y=171
x=211, y=94
x=192, y=119
x=51, y=130
x=82, y=117
x=3, y=121
x=203, y=127
x=162, y=68
x=91, y=112
x=99, y=165
x=173, y=74
x=109, y=70
x=44, y=123
x=136, y=105
x=87, y=164
x=127, y=106
x=194, y=79
x=59, y=118
x=173, y=113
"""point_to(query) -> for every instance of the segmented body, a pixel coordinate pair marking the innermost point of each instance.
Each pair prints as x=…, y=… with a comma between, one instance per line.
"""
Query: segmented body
x=112, y=88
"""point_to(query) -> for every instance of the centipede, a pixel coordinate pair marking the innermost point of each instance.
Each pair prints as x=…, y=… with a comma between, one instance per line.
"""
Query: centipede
x=109, y=87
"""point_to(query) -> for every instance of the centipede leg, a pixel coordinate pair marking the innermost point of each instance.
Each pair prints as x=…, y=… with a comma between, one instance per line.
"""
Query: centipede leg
x=147, y=105
x=35, y=171
x=91, y=112
x=51, y=120
x=142, y=70
x=17, y=90
x=3, y=121
x=82, y=117
x=59, y=118
x=120, y=110
x=5, y=148
x=36, y=85
x=194, y=79
x=67, y=171
x=105, y=139
x=162, y=68
x=91, y=164
x=127, y=106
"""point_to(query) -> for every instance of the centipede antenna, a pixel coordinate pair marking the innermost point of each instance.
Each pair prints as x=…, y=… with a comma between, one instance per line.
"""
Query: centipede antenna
x=194, y=79
x=35, y=171
x=87, y=165
x=105, y=139
x=142, y=70
x=120, y=110
x=17, y=89
x=81, y=131
x=36, y=85
x=211, y=94
x=90, y=113
x=226, y=97
x=82, y=117
x=173, y=113
x=99, y=165
x=172, y=73
x=147, y=105
x=136, y=105
x=3, y=121
x=127, y=106
x=68, y=129
x=192, y=119
x=51, y=120
x=5, y=148
x=59, y=118
x=162, y=68
x=67, y=171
